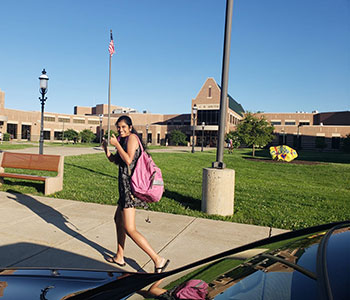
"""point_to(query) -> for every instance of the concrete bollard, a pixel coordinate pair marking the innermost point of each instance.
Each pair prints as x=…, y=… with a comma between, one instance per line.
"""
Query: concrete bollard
x=218, y=191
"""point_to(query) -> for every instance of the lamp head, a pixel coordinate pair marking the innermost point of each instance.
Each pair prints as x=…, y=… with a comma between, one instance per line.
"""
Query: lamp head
x=43, y=81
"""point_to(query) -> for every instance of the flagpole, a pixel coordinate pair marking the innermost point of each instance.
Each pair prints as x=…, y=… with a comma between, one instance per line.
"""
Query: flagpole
x=109, y=98
x=109, y=90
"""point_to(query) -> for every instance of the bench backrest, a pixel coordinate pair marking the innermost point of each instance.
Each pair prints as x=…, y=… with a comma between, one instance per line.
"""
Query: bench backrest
x=42, y=162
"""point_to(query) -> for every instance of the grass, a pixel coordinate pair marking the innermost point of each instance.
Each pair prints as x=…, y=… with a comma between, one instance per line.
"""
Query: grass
x=281, y=195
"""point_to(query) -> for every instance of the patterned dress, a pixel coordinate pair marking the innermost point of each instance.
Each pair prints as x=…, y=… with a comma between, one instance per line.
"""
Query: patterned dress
x=126, y=198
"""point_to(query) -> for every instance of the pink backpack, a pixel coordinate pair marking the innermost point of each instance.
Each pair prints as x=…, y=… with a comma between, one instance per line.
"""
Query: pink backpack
x=193, y=289
x=147, y=181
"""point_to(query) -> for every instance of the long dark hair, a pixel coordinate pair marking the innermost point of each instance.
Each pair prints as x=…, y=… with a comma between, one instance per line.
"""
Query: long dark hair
x=128, y=122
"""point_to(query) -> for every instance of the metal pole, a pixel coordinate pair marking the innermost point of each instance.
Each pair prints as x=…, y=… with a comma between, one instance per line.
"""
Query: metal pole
x=109, y=99
x=193, y=131
x=41, y=141
x=202, y=136
x=224, y=81
x=62, y=133
x=100, y=132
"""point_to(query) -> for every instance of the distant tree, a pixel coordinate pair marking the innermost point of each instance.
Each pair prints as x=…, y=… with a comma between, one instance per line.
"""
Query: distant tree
x=70, y=134
x=255, y=131
x=234, y=137
x=110, y=134
x=177, y=138
x=86, y=136
x=346, y=143
x=6, y=136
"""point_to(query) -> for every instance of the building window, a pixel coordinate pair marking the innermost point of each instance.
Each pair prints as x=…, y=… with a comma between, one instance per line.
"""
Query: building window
x=58, y=135
x=335, y=142
x=79, y=121
x=275, y=122
x=49, y=119
x=209, y=92
x=26, y=132
x=289, y=123
x=47, y=134
x=94, y=122
x=209, y=117
x=304, y=123
x=12, y=130
x=63, y=120
x=158, y=138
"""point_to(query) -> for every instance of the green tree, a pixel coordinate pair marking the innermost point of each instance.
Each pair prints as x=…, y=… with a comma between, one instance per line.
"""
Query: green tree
x=6, y=136
x=70, y=134
x=177, y=138
x=254, y=131
x=86, y=136
x=234, y=137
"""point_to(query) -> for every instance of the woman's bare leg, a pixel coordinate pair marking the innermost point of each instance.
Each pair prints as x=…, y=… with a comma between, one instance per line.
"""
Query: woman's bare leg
x=138, y=238
x=121, y=235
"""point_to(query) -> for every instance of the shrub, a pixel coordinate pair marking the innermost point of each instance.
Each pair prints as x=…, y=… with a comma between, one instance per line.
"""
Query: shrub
x=6, y=136
x=177, y=138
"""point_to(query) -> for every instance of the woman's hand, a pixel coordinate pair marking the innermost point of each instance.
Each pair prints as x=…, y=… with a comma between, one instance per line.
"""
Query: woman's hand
x=113, y=140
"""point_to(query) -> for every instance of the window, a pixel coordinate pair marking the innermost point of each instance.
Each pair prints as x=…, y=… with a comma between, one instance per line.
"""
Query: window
x=304, y=123
x=290, y=123
x=275, y=122
x=94, y=122
x=12, y=130
x=58, y=135
x=335, y=142
x=49, y=119
x=209, y=92
x=64, y=120
x=209, y=117
x=79, y=121
x=47, y=135
x=26, y=132
x=158, y=138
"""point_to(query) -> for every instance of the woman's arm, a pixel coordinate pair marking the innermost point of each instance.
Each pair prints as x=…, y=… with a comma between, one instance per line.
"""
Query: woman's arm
x=109, y=155
x=133, y=144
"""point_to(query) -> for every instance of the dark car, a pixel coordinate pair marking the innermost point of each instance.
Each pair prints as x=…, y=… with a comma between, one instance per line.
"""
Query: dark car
x=312, y=263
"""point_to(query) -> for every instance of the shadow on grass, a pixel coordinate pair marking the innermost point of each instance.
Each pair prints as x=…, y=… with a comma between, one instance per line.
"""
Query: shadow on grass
x=189, y=202
x=38, y=186
x=304, y=155
x=90, y=170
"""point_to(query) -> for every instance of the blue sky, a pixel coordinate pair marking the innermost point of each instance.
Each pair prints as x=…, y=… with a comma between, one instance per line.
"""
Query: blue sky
x=286, y=56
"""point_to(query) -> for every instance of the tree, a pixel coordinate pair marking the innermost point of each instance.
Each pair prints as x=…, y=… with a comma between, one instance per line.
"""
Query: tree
x=86, y=136
x=254, y=131
x=177, y=137
x=70, y=134
x=234, y=137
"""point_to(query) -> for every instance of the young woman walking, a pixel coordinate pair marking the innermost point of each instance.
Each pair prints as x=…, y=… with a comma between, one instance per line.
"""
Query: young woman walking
x=126, y=156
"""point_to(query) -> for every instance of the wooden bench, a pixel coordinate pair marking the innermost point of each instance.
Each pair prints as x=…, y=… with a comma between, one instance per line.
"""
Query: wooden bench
x=41, y=162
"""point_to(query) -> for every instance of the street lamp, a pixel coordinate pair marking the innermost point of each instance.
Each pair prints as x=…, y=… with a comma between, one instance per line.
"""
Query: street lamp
x=43, y=90
x=101, y=118
x=203, y=124
x=147, y=127
x=298, y=136
x=194, y=113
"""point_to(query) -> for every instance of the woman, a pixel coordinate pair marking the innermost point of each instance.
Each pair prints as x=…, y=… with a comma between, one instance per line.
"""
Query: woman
x=128, y=152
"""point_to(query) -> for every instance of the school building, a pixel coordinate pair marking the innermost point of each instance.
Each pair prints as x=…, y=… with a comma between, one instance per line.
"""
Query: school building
x=298, y=130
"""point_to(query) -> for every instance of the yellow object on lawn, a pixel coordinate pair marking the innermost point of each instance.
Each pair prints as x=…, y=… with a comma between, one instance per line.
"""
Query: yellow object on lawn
x=283, y=152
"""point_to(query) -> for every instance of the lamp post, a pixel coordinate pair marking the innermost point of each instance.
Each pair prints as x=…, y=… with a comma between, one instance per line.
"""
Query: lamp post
x=101, y=118
x=147, y=127
x=298, y=136
x=43, y=90
x=194, y=113
x=203, y=124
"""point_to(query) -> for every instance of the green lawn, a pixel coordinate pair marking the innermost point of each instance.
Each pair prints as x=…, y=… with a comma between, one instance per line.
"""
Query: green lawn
x=281, y=195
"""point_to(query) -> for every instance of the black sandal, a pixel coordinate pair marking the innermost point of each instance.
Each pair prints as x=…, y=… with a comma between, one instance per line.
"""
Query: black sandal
x=162, y=269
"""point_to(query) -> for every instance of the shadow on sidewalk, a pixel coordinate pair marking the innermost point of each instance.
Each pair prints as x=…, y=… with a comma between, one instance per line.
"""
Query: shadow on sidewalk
x=54, y=217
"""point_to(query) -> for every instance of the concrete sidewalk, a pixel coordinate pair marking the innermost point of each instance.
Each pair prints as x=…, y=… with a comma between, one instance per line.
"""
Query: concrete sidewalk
x=47, y=232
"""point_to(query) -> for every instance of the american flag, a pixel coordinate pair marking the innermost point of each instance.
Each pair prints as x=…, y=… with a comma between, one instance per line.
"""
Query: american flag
x=111, y=46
